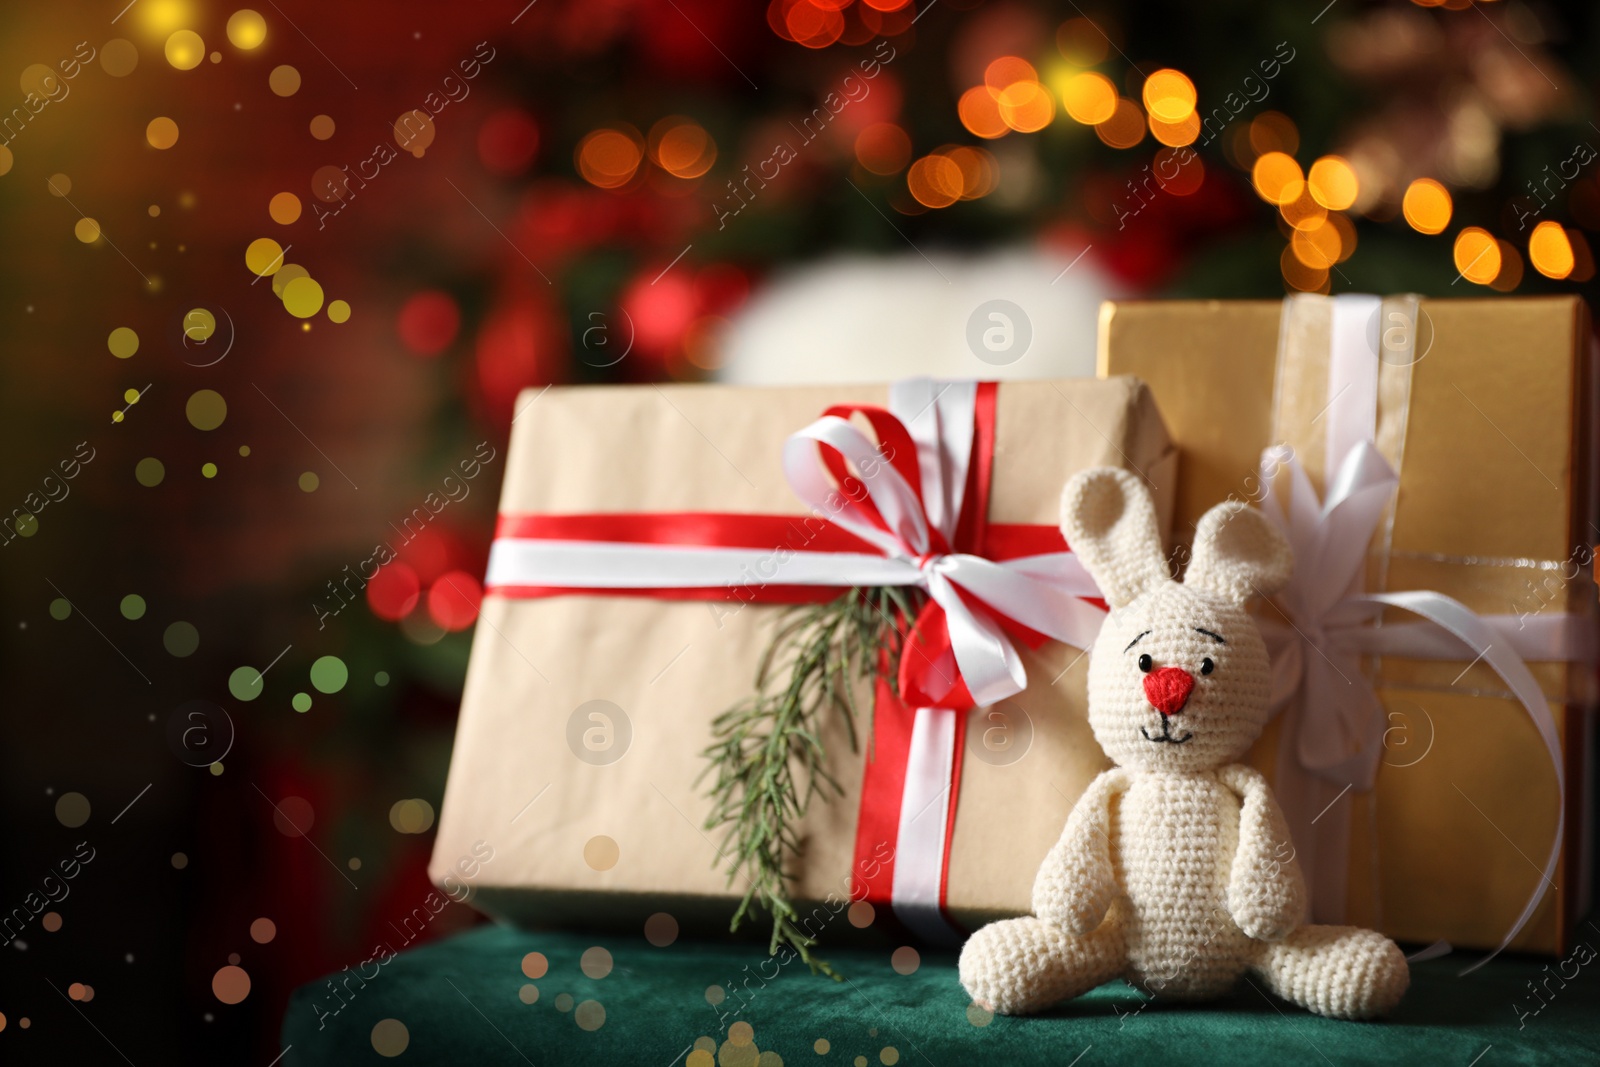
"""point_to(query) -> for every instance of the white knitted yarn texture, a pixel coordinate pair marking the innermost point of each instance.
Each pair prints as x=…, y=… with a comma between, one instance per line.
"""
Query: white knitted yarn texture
x=1175, y=870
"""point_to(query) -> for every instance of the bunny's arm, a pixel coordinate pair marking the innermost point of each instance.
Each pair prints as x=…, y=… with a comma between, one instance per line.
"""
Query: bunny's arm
x=1076, y=883
x=1266, y=892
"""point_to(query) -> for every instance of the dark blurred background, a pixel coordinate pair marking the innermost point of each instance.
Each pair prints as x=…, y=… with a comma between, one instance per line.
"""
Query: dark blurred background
x=347, y=234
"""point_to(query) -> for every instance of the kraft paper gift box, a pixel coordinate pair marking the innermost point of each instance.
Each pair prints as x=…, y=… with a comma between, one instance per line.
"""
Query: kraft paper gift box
x=1486, y=409
x=584, y=716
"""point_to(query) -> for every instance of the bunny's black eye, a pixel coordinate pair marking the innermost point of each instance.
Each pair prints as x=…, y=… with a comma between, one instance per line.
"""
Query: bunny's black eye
x=1145, y=663
x=1206, y=666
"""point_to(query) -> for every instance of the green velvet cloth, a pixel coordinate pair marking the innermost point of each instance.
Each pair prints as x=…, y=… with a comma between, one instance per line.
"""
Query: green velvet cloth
x=460, y=1001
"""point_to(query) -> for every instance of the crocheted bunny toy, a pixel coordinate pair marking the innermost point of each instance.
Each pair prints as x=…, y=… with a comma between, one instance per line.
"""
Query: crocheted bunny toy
x=1175, y=870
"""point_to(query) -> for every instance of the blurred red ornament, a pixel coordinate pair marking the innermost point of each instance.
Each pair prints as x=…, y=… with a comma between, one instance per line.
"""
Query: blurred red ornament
x=520, y=344
x=453, y=600
x=423, y=548
x=428, y=322
x=393, y=591
x=508, y=141
x=660, y=309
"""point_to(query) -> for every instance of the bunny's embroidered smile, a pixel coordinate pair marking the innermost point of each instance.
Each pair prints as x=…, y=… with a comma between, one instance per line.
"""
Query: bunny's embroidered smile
x=1187, y=882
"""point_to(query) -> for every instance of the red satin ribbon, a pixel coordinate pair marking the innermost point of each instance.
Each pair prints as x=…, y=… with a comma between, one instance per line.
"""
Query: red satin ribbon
x=927, y=677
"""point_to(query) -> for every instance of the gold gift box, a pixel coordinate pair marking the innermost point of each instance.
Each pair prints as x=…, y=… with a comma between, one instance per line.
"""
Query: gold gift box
x=1496, y=508
x=619, y=835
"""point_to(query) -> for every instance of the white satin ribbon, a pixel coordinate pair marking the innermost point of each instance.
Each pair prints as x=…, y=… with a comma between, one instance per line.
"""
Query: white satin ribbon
x=1338, y=727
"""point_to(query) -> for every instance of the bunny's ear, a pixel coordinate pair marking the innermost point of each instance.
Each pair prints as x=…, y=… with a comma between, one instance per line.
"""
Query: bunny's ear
x=1238, y=553
x=1110, y=523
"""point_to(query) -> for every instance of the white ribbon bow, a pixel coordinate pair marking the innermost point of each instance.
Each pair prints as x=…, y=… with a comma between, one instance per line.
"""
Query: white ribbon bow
x=1339, y=728
x=1042, y=592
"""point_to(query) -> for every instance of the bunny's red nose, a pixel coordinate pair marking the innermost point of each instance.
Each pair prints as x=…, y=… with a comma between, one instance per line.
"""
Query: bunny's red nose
x=1168, y=689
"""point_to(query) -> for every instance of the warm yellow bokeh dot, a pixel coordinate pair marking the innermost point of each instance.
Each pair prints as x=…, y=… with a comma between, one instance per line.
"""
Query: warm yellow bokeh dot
x=821, y=1046
x=208, y=470
x=1427, y=206
x=321, y=127
x=6, y=159
x=1089, y=98
x=1550, y=250
x=286, y=274
x=198, y=325
x=1277, y=177
x=284, y=80
x=58, y=184
x=339, y=311
x=608, y=158
x=303, y=297
x=264, y=256
x=87, y=230
x=123, y=342
x=206, y=410
x=1006, y=71
x=40, y=80
x=185, y=50
x=1477, y=255
x=246, y=29
x=161, y=133
x=216, y=57
x=118, y=57
x=130, y=396
x=1332, y=182
x=309, y=481
x=284, y=208
x=980, y=172
x=1169, y=95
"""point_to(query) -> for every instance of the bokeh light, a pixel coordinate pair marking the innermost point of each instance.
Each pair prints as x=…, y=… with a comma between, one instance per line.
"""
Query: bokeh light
x=935, y=181
x=1477, y=255
x=609, y=158
x=1089, y=98
x=185, y=50
x=681, y=147
x=1427, y=206
x=284, y=80
x=1332, y=182
x=1550, y=251
x=284, y=208
x=1125, y=128
x=1169, y=95
x=1276, y=177
x=980, y=113
x=263, y=256
x=246, y=29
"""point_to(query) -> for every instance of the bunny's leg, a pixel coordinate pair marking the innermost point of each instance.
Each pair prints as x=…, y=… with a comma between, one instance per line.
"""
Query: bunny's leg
x=1021, y=966
x=1341, y=971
